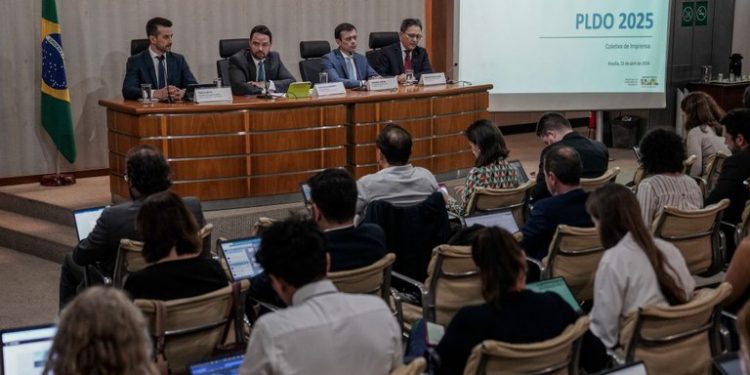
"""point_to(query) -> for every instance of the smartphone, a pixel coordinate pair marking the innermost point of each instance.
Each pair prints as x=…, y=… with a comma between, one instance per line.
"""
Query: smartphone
x=435, y=333
x=306, y=196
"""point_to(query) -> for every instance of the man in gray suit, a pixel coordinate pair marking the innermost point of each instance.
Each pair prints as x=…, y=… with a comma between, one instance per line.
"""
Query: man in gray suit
x=253, y=70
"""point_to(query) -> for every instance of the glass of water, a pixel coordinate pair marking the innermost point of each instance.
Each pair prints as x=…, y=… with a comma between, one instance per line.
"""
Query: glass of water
x=706, y=73
x=146, y=93
x=322, y=77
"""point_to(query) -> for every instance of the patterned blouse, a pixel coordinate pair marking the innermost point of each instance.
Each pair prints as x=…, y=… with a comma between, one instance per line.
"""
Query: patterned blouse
x=498, y=175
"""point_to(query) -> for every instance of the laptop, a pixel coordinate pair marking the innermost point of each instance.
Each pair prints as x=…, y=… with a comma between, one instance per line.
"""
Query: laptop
x=503, y=219
x=86, y=220
x=727, y=364
x=218, y=366
x=240, y=257
x=559, y=286
x=25, y=349
x=636, y=368
x=520, y=172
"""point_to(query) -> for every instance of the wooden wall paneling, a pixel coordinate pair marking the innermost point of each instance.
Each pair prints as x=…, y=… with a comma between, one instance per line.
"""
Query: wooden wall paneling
x=198, y=169
x=137, y=126
x=451, y=124
x=274, y=185
x=298, y=140
x=364, y=112
x=395, y=110
x=206, y=123
x=206, y=146
x=358, y=171
x=461, y=103
x=274, y=163
x=295, y=118
x=450, y=144
x=446, y=163
x=212, y=190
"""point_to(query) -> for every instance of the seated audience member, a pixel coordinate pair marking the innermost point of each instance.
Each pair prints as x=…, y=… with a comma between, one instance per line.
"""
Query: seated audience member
x=662, y=157
x=490, y=170
x=100, y=332
x=334, y=199
x=704, y=132
x=344, y=64
x=738, y=276
x=636, y=269
x=561, y=170
x=147, y=172
x=172, y=245
x=167, y=72
x=406, y=54
x=252, y=68
x=397, y=182
x=346, y=333
x=554, y=128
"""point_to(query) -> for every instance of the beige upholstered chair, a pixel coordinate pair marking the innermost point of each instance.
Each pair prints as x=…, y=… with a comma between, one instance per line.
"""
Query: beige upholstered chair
x=741, y=229
x=373, y=279
x=558, y=355
x=416, y=367
x=640, y=173
x=591, y=184
x=713, y=167
x=574, y=254
x=676, y=339
x=188, y=330
x=696, y=233
x=516, y=200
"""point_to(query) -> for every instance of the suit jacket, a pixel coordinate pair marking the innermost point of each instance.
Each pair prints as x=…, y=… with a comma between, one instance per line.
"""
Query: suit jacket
x=594, y=157
x=736, y=169
x=568, y=208
x=115, y=223
x=355, y=247
x=242, y=69
x=334, y=64
x=391, y=63
x=140, y=70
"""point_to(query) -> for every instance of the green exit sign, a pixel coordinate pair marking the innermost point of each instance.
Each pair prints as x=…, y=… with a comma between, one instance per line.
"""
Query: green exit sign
x=694, y=13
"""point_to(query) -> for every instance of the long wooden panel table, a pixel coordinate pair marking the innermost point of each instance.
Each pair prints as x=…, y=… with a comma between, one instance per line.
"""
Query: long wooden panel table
x=258, y=147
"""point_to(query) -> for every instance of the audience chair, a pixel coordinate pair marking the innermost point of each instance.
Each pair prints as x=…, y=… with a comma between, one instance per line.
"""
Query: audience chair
x=311, y=52
x=676, y=339
x=453, y=282
x=418, y=366
x=378, y=40
x=688, y=163
x=227, y=48
x=640, y=173
x=138, y=45
x=189, y=330
x=558, y=355
x=713, y=169
x=696, y=233
x=516, y=199
x=574, y=254
x=591, y=184
x=741, y=229
x=373, y=279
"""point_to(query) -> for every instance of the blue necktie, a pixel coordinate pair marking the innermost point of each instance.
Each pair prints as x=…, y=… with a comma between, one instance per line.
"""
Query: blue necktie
x=261, y=72
x=161, y=79
x=350, y=68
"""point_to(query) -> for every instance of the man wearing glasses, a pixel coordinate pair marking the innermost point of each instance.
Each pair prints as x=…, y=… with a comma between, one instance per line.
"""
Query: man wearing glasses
x=406, y=54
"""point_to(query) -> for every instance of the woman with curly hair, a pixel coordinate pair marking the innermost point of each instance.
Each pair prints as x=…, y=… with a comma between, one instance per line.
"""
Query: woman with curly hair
x=100, y=332
x=704, y=132
x=662, y=156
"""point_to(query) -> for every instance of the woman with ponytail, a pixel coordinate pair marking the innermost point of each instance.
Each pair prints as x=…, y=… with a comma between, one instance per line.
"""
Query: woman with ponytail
x=636, y=270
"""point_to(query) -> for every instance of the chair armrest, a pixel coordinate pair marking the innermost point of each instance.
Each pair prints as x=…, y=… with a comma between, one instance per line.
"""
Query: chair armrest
x=423, y=294
x=398, y=310
x=267, y=305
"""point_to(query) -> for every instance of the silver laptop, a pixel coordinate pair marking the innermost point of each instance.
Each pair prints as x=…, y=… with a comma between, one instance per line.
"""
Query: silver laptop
x=240, y=257
x=25, y=349
x=503, y=219
x=559, y=286
x=86, y=220
x=218, y=366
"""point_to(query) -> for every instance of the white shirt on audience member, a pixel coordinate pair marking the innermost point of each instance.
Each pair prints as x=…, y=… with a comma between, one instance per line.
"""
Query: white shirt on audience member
x=625, y=281
x=401, y=185
x=325, y=332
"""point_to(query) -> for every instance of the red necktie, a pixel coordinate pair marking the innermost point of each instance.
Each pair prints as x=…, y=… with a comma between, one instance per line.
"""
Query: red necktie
x=407, y=61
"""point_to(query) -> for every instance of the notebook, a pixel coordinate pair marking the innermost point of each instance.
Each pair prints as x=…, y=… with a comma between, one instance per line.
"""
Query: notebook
x=240, y=257
x=636, y=368
x=25, y=349
x=503, y=219
x=218, y=366
x=520, y=172
x=86, y=220
x=559, y=286
x=727, y=364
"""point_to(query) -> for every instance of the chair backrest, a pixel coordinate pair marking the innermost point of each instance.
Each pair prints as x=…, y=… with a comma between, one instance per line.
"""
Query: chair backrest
x=640, y=172
x=311, y=52
x=138, y=45
x=515, y=199
x=742, y=227
x=696, y=233
x=453, y=282
x=558, y=355
x=380, y=39
x=574, y=254
x=190, y=329
x=373, y=279
x=676, y=339
x=418, y=366
x=227, y=48
x=713, y=168
x=591, y=184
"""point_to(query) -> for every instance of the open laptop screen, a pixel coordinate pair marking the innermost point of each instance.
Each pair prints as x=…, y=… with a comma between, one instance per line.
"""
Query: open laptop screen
x=503, y=219
x=559, y=286
x=520, y=172
x=218, y=366
x=86, y=220
x=728, y=364
x=240, y=257
x=637, y=368
x=25, y=349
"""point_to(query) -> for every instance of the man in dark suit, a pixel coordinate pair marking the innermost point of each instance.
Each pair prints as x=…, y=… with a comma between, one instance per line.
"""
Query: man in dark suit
x=562, y=173
x=167, y=72
x=554, y=128
x=147, y=173
x=344, y=64
x=397, y=58
x=253, y=70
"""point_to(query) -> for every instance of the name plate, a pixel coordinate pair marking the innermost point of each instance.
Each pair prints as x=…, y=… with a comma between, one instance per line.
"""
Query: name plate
x=429, y=79
x=327, y=89
x=382, y=84
x=213, y=95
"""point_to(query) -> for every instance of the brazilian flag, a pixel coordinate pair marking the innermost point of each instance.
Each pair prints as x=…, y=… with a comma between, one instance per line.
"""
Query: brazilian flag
x=56, y=116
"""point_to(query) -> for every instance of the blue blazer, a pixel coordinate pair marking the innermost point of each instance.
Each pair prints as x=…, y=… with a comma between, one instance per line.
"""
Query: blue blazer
x=140, y=69
x=334, y=64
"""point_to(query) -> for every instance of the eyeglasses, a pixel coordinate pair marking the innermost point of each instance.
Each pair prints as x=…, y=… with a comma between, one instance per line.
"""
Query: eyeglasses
x=414, y=36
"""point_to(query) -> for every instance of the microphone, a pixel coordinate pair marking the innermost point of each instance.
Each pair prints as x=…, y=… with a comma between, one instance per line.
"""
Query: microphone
x=450, y=75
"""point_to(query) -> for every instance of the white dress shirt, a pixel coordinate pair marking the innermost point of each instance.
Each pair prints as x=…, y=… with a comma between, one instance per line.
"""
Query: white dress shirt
x=625, y=281
x=325, y=332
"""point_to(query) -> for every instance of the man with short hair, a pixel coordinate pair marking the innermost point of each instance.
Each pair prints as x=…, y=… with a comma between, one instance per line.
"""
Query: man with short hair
x=334, y=200
x=256, y=67
x=554, y=128
x=344, y=64
x=406, y=54
x=397, y=182
x=167, y=72
x=147, y=172
x=561, y=170
x=323, y=331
